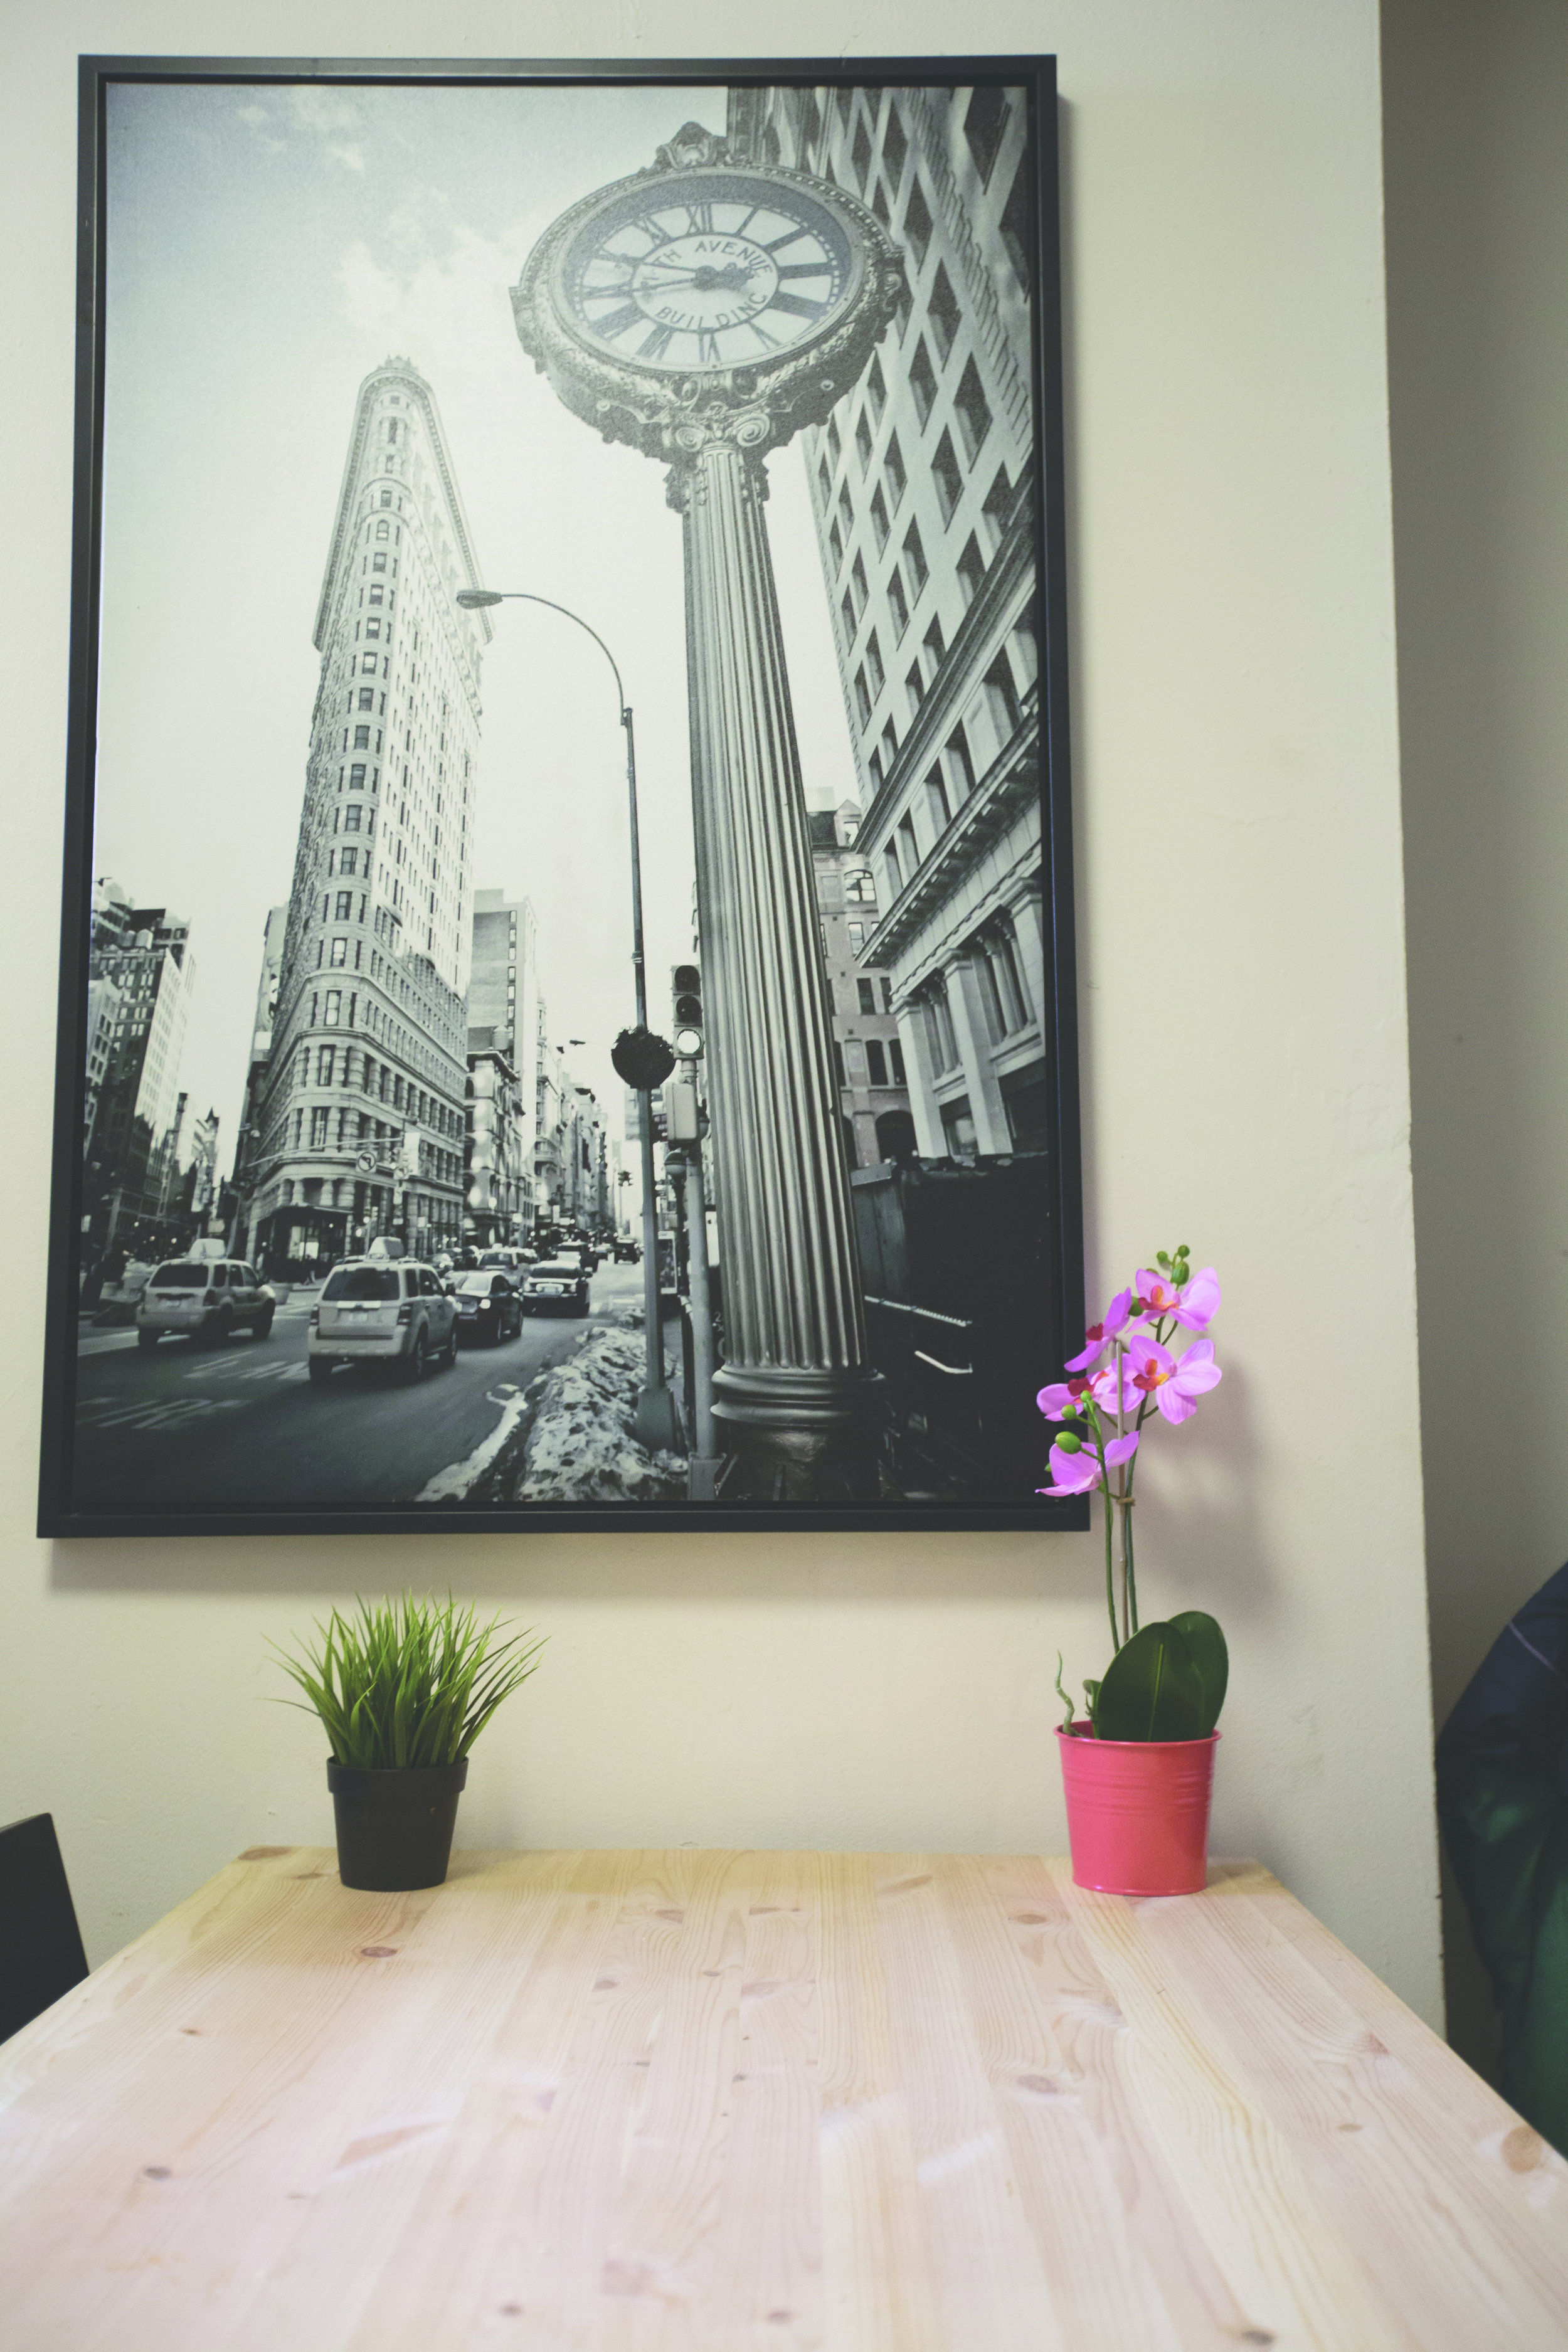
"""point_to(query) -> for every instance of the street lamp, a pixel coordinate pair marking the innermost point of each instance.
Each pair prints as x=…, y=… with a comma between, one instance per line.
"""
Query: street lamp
x=656, y=1424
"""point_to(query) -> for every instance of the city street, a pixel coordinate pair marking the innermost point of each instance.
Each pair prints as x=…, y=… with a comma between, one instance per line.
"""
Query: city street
x=236, y=1427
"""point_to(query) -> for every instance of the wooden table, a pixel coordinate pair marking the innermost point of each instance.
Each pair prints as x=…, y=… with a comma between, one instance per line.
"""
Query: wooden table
x=905, y=2102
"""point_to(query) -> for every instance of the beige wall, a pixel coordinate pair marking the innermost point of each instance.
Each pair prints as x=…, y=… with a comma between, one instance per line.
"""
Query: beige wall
x=1477, y=131
x=1244, y=1035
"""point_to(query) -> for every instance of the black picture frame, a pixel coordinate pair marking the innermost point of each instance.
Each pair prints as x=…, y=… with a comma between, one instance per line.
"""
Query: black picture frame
x=66, y=1508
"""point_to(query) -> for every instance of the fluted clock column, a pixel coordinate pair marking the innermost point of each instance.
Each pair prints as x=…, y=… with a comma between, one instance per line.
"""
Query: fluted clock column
x=799, y=1405
x=703, y=311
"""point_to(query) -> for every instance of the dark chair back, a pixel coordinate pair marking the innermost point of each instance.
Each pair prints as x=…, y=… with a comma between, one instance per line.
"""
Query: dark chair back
x=40, y=1944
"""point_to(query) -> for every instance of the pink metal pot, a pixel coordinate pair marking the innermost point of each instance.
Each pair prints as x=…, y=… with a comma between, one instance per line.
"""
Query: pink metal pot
x=1138, y=1812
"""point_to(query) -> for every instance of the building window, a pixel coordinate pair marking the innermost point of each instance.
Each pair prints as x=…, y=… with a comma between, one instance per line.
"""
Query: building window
x=880, y=206
x=896, y=1056
x=857, y=937
x=898, y=602
x=960, y=766
x=874, y=664
x=922, y=382
x=917, y=223
x=908, y=847
x=875, y=764
x=332, y=1010
x=895, y=147
x=847, y=615
x=893, y=469
x=914, y=686
x=972, y=411
x=836, y=542
x=1002, y=698
x=824, y=482
x=998, y=500
x=835, y=445
x=367, y=662
x=1004, y=989
x=949, y=480
x=890, y=744
x=915, y=560
x=362, y=741
x=970, y=568
x=958, y=1127
x=867, y=994
x=984, y=124
x=377, y=592
x=1016, y=228
x=860, y=156
x=378, y=563
x=895, y=874
x=863, y=438
x=356, y=774
x=326, y=1061
x=348, y=861
x=367, y=697
x=937, y=802
x=345, y=906
x=945, y=314
x=857, y=583
x=862, y=698
x=879, y=519
x=838, y=1064
x=319, y=1127
x=383, y=528
x=877, y=390
x=876, y=1061
x=340, y=954
x=354, y=817
x=934, y=646
x=373, y=628
x=860, y=890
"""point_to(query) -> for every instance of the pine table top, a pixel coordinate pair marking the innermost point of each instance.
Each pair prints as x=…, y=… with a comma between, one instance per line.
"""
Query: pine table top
x=757, y=2102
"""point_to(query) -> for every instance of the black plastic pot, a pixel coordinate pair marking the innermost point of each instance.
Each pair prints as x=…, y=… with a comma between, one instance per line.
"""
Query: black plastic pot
x=395, y=1828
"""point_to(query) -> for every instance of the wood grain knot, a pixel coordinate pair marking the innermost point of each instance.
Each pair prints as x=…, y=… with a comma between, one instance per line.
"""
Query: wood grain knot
x=676, y=1915
x=626, y=2277
x=157, y=2172
x=264, y=1853
x=1521, y=2148
x=190, y=2028
x=511, y=2311
x=762, y=1987
x=904, y=1885
x=378, y=1951
x=1030, y=1919
x=1255, y=2336
x=1367, y=2045
x=779, y=2317
x=605, y=1984
x=1043, y=2086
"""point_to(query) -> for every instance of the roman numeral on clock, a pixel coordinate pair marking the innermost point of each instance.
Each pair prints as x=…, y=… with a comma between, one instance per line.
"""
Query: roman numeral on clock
x=797, y=305
x=655, y=343
x=616, y=322
x=700, y=219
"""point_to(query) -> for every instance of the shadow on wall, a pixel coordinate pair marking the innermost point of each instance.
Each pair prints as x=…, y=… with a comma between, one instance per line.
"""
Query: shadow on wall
x=1476, y=164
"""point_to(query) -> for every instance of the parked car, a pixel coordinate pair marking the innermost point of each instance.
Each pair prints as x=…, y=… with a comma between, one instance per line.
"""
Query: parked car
x=512, y=1262
x=382, y=1311
x=626, y=1252
x=204, y=1298
x=118, y=1300
x=489, y=1307
x=557, y=1285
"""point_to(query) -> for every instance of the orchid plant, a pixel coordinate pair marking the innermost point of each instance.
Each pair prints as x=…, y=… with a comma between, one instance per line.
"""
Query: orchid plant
x=1166, y=1680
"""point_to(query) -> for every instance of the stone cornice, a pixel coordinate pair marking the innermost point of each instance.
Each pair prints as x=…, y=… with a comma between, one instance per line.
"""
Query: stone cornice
x=1010, y=784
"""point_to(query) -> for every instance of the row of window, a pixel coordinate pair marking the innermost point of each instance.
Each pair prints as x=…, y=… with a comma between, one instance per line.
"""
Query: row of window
x=994, y=953
x=881, y=1055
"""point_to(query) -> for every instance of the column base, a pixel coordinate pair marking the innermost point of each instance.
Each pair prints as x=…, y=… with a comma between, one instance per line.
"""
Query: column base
x=793, y=1435
x=657, y=1423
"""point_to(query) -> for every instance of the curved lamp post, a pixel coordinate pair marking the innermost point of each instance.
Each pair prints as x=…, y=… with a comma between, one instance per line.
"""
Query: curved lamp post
x=656, y=1421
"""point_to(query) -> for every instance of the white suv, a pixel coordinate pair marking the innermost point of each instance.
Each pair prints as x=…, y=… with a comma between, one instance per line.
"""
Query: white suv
x=382, y=1311
x=205, y=1299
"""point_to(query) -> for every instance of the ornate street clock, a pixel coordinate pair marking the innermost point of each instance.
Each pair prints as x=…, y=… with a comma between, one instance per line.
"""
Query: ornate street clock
x=703, y=311
x=704, y=285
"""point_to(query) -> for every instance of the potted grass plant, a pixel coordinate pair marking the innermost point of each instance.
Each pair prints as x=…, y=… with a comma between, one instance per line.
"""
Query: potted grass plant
x=403, y=1689
x=1138, y=1769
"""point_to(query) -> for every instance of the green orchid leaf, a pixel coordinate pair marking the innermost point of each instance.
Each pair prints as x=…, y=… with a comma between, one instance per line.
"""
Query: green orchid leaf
x=1152, y=1689
x=1212, y=1659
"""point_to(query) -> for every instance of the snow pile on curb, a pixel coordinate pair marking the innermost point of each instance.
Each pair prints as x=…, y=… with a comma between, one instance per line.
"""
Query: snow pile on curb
x=580, y=1448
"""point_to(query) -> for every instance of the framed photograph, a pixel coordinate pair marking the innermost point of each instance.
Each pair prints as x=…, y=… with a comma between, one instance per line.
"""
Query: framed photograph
x=566, y=1005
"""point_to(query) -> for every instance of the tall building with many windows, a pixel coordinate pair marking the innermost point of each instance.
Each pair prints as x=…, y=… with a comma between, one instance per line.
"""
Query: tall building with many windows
x=503, y=1047
x=924, y=491
x=141, y=974
x=867, y=1053
x=360, y=1114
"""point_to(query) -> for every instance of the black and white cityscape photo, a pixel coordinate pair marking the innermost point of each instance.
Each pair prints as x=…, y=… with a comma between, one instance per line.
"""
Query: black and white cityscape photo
x=570, y=1019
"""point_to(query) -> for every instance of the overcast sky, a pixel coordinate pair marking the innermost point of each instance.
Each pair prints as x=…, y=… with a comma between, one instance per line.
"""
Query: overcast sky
x=267, y=247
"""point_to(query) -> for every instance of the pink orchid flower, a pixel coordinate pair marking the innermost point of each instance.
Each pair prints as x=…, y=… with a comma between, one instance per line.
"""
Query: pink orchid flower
x=1078, y=1473
x=1054, y=1400
x=1172, y=1381
x=1103, y=1387
x=1194, y=1304
x=1098, y=1334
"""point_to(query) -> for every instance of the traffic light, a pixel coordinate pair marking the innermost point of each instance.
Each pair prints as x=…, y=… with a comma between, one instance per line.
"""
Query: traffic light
x=686, y=990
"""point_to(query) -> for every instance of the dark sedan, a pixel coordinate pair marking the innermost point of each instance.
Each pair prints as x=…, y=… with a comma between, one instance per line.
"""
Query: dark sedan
x=488, y=1309
x=557, y=1286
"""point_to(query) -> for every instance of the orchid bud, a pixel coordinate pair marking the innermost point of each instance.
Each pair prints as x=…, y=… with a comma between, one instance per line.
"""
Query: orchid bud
x=1184, y=1251
x=1068, y=1444
x=1161, y=1259
x=1136, y=1307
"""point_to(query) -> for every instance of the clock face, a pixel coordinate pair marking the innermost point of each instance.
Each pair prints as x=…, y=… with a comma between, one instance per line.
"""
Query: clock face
x=717, y=269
